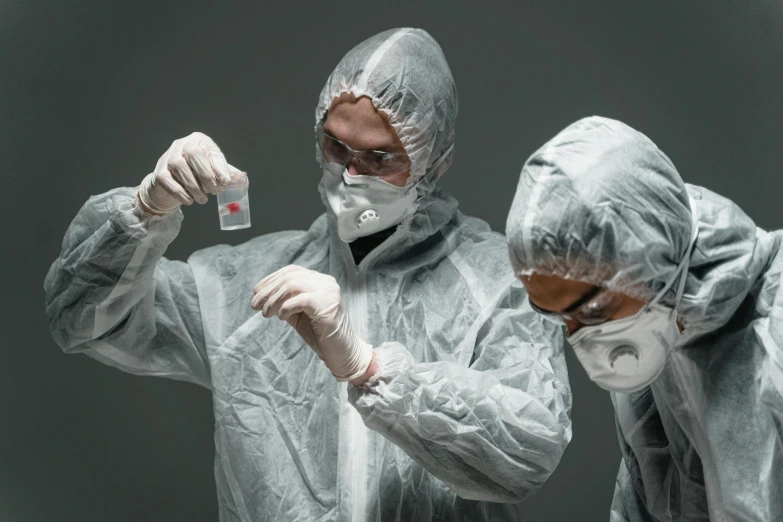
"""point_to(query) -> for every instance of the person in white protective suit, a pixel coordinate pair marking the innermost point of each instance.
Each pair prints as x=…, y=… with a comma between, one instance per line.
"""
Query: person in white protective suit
x=671, y=299
x=457, y=406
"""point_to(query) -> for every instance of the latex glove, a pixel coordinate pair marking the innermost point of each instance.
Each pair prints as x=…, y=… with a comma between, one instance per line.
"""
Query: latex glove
x=192, y=168
x=311, y=302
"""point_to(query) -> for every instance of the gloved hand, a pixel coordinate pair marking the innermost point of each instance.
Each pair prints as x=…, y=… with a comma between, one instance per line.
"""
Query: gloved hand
x=312, y=303
x=192, y=168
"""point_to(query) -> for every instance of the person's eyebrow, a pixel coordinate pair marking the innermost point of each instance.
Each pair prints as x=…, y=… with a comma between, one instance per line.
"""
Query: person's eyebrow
x=583, y=299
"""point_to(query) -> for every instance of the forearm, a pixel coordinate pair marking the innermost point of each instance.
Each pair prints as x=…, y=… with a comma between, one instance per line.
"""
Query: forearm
x=485, y=440
x=107, y=263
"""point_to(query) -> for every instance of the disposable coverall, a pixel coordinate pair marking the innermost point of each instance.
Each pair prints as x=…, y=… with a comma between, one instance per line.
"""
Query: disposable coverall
x=470, y=413
x=600, y=203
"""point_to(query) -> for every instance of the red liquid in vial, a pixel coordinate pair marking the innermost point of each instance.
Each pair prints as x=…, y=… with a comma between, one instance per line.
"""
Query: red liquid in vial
x=233, y=208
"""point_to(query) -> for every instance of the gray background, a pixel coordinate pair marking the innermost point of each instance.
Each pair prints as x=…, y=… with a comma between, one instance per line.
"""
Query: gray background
x=93, y=93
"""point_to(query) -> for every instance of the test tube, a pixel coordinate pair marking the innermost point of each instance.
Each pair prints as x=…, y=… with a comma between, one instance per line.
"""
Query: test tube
x=233, y=206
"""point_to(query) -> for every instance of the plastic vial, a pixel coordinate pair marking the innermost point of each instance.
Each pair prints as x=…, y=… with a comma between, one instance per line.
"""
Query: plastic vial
x=233, y=206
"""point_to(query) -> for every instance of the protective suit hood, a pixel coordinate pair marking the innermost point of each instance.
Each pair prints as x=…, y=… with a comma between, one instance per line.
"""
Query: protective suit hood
x=405, y=74
x=600, y=203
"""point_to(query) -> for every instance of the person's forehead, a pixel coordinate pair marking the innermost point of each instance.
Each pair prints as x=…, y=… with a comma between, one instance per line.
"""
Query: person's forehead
x=554, y=293
x=359, y=125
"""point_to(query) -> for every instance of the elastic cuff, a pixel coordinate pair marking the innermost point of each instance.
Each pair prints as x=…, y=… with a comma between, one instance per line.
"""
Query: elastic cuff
x=374, y=378
x=392, y=359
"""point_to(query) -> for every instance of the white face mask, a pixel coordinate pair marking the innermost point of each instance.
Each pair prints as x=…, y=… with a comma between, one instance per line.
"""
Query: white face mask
x=628, y=354
x=365, y=204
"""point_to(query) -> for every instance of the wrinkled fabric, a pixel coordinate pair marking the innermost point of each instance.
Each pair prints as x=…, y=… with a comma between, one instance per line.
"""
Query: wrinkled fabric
x=600, y=203
x=583, y=205
x=468, y=414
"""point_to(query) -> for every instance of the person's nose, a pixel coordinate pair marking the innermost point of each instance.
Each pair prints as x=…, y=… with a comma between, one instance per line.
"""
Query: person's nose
x=572, y=326
x=354, y=168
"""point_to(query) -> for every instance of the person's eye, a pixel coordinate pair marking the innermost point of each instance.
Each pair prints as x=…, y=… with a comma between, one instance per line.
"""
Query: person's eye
x=602, y=306
x=594, y=310
x=385, y=157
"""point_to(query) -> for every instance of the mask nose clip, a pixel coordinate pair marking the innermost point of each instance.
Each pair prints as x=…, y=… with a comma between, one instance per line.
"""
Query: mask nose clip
x=355, y=184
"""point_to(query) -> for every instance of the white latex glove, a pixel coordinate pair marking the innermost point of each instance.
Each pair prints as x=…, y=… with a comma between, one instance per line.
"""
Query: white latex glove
x=192, y=168
x=312, y=303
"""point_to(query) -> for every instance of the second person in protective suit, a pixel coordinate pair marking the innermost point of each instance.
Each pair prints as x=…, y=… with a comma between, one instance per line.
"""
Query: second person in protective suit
x=458, y=406
x=671, y=299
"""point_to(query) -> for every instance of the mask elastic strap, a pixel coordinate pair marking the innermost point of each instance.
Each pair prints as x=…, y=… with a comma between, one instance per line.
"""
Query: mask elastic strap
x=682, y=268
